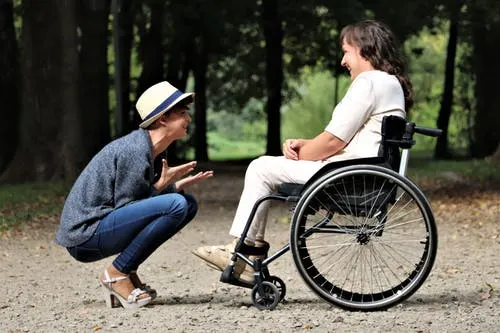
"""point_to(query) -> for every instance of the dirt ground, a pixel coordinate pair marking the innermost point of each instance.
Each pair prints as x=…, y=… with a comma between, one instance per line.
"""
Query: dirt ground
x=45, y=290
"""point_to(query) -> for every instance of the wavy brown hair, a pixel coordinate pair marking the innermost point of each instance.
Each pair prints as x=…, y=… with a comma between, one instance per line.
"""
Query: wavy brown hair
x=379, y=46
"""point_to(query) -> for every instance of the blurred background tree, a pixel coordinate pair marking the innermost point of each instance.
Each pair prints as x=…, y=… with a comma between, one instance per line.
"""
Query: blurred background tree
x=262, y=71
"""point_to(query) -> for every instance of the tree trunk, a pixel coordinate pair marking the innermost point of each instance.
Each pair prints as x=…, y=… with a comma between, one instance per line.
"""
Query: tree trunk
x=173, y=70
x=486, y=38
x=10, y=86
x=273, y=34
x=179, y=65
x=151, y=51
x=200, y=88
x=123, y=35
x=176, y=61
x=442, y=150
x=38, y=156
x=71, y=129
x=94, y=87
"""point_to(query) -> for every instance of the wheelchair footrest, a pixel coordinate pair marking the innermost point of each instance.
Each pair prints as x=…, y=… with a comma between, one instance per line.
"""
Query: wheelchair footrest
x=227, y=276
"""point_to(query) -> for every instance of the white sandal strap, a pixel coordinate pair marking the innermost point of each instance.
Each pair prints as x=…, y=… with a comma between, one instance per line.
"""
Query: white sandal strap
x=108, y=279
x=132, y=298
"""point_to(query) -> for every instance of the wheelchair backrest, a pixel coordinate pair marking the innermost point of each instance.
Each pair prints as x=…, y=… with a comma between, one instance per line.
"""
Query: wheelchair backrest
x=393, y=129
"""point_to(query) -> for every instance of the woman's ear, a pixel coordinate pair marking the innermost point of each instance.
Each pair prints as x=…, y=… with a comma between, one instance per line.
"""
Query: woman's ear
x=163, y=119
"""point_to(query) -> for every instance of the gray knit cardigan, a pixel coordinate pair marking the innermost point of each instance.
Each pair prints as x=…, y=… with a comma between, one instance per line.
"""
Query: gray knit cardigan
x=122, y=172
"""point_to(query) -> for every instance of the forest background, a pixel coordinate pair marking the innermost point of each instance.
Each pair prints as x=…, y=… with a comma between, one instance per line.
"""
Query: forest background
x=263, y=71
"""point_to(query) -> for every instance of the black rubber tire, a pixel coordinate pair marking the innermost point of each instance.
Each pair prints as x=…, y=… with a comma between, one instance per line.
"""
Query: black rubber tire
x=363, y=237
x=280, y=285
x=266, y=296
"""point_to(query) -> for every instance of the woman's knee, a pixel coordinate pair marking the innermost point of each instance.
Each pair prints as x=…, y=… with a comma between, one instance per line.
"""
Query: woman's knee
x=261, y=165
x=85, y=254
x=192, y=208
x=178, y=206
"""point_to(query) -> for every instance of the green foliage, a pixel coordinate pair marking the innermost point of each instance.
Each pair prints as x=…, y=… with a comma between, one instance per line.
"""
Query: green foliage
x=221, y=148
x=309, y=100
x=21, y=202
x=240, y=126
x=11, y=195
x=18, y=20
x=426, y=67
x=235, y=136
x=460, y=131
x=406, y=19
x=307, y=114
x=310, y=38
x=422, y=166
x=427, y=55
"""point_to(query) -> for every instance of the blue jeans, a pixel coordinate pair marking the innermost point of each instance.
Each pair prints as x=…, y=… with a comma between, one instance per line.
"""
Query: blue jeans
x=136, y=230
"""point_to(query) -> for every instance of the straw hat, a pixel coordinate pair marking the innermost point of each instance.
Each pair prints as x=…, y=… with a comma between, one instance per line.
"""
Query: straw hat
x=157, y=100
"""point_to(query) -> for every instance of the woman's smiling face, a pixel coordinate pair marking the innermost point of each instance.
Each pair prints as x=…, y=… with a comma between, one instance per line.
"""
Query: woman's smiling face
x=178, y=120
x=353, y=61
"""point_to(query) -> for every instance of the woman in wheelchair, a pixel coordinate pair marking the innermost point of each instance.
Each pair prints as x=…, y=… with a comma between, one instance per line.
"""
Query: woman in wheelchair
x=379, y=88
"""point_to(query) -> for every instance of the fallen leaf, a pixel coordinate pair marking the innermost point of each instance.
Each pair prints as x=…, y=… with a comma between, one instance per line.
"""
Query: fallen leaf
x=484, y=296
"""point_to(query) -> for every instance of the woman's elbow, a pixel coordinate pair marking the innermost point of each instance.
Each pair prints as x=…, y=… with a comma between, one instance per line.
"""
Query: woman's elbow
x=334, y=146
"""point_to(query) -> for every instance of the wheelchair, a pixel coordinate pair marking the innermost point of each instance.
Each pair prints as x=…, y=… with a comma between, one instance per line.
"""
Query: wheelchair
x=363, y=236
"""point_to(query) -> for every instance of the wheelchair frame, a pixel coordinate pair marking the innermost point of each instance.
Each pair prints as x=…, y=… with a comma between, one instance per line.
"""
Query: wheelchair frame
x=317, y=197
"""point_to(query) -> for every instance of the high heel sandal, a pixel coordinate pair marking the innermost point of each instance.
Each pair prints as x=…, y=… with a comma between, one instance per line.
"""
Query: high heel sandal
x=132, y=302
x=150, y=291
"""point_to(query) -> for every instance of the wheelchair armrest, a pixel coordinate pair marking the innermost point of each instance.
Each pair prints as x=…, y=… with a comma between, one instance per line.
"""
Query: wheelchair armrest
x=290, y=189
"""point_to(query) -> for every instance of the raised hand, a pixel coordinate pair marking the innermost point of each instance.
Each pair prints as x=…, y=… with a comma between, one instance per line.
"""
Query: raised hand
x=170, y=175
x=190, y=180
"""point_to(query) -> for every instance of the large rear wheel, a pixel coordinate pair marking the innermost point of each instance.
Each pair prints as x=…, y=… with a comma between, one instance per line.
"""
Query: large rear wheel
x=363, y=237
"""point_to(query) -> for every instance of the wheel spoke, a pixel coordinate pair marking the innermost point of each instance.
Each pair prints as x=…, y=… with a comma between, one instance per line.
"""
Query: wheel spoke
x=364, y=238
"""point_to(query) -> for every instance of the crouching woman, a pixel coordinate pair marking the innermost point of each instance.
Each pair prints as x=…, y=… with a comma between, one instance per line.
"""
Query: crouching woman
x=128, y=201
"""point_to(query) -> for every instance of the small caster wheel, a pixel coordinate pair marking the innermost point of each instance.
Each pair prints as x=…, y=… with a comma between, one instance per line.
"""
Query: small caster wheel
x=265, y=296
x=279, y=284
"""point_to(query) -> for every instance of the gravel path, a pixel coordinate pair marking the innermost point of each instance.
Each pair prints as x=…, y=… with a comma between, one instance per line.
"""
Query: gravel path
x=45, y=290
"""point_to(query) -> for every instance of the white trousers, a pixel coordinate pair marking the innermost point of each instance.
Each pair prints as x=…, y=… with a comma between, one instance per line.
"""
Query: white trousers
x=261, y=178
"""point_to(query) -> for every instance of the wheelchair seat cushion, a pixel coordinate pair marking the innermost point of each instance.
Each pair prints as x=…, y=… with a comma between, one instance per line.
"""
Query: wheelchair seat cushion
x=290, y=189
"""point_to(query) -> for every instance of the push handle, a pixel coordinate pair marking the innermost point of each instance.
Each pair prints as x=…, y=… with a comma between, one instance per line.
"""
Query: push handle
x=428, y=131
